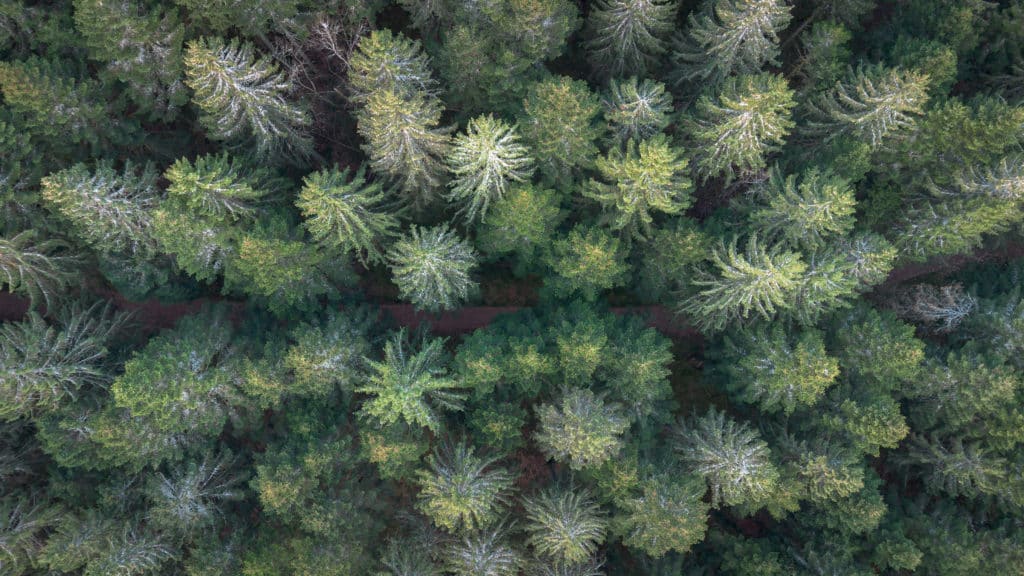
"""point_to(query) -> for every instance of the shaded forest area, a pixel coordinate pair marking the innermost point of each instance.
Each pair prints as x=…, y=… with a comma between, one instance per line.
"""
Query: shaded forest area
x=511, y=287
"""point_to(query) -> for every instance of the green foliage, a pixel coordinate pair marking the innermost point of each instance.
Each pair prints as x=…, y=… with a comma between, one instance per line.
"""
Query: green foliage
x=327, y=354
x=410, y=384
x=483, y=161
x=388, y=62
x=432, y=268
x=669, y=515
x=629, y=35
x=189, y=499
x=462, y=491
x=645, y=178
x=39, y=269
x=217, y=186
x=564, y=524
x=737, y=127
x=484, y=553
x=582, y=429
x=521, y=222
x=668, y=257
x=637, y=110
x=586, y=261
x=808, y=215
x=730, y=36
x=560, y=126
x=243, y=98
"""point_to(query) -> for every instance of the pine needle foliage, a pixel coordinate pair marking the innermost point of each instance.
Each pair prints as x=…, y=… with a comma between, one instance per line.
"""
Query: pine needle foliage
x=483, y=161
x=807, y=215
x=637, y=109
x=383, y=61
x=629, y=35
x=461, y=491
x=432, y=268
x=581, y=429
x=37, y=268
x=218, y=186
x=564, y=524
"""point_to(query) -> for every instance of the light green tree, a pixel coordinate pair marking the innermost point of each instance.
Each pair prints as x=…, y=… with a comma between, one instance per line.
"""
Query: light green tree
x=219, y=187
x=39, y=269
x=328, y=354
x=483, y=553
x=243, y=96
x=669, y=515
x=462, y=491
x=727, y=37
x=522, y=222
x=645, y=178
x=737, y=126
x=189, y=499
x=586, y=261
x=432, y=268
x=582, y=429
x=410, y=384
x=629, y=35
x=637, y=109
x=560, y=126
x=345, y=212
x=383, y=61
x=565, y=524
x=808, y=215
x=483, y=161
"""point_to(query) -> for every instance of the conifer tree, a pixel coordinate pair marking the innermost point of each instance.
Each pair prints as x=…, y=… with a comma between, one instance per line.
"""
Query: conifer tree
x=953, y=226
x=586, y=261
x=523, y=222
x=730, y=456
x=629, y=35
x=759, y=280
x=669, y=515
x=807, y=215
x=188, y=500
x=726, y=37
x=581, y=429
x=345, y=212
x=647, y=177
x=243, y=96
x=564, y=524
x=328, y=354
x=637, y=109
x=432, y=268
x=560, y=126
x=483, y=553
x=255, y=18
x=383, y=61
x=107, y=209
x=131, y=552
x=218, y=186
x=871, y=104
x=22, y=522
x=39, y=269
x=404, y=141
x=77, y=540
x=462, y=491
x=483, y=161
x=735, y=128
x=1004, y=181
x=638, y=370
x=955, y=467
x=410, y=384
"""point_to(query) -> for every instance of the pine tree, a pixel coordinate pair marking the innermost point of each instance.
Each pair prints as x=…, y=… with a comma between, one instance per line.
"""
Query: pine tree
x=462, y=491
x=581, y=429
x=132, y=552
x=564, y=524
x=77, y=540
x=760, y=280
x=638, y=370
x=388, y=62
x=328, y=353
x=404, y=141
x=218, y=186
x=735, y=129
x=110, y=211
x=808, y=215
x=432, y=268
x=484, y=553
x=560, y=126
x=189, y=499
x=629, y=35
x=483, y=161
x=732, y=458
x=955, y=467
x=648, y=177
x=45, y=366
x=344, y=212
x=243, y=96
x=522, y=222
x=39, y=269
x=140, y=46
x=403, y=558
x=637, y=110
x=255, y=18
x=730, y=36
x=410, y=384
x=669, y=515
x=777, y=371
x=872, y=104
x=953, y=226
x=1004, y=181
x=586, y=261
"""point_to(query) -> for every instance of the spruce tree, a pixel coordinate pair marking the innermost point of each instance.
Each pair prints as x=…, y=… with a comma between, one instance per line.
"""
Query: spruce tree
x=189, y=499
x=483, y=162
x=581, y=429
x=462, y=491
x=522, y=222
x=483, y=553
x=40, y=269
x=432, y=268
x=808, y=215
x=560, y=126
x=585, y=262
x=244, y=96
x=637, y=109
x=646, y=177
x=629, y=35
x=564, y=524
x=735, y=128
x=388, y=62
x=668, y=515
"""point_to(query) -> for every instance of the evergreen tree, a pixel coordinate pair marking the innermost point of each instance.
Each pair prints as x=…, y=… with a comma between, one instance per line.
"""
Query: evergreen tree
x=344, y=212
x=871, y=104
x=760, y=280
x=328, y=354
x=669, y=515
x=410, y=384
x=483, y=553
x=189, y=499
x=218, y=186
x=254, y=18
x=483, y=161
x=110, y=211
x=560, y=126
x=565, y=525
x=243, y=96
x=432, y=268
x=1004, y=181
x=39, y=269
x=730, y=456
x=735, y=130
x=388, y=62
x=954, y=226
x=730, y=36
x=522, y=222
x=131, y=552
x=807, y=215
x=629, y=35
x=637, y=110
x=77, y=540
x=645, y=178
x=586, y=261
x=582, y=429
x=462, y=491
x=22, y=522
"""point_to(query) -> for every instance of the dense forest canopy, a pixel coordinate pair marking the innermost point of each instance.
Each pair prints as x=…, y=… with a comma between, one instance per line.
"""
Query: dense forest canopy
x=511, y=287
